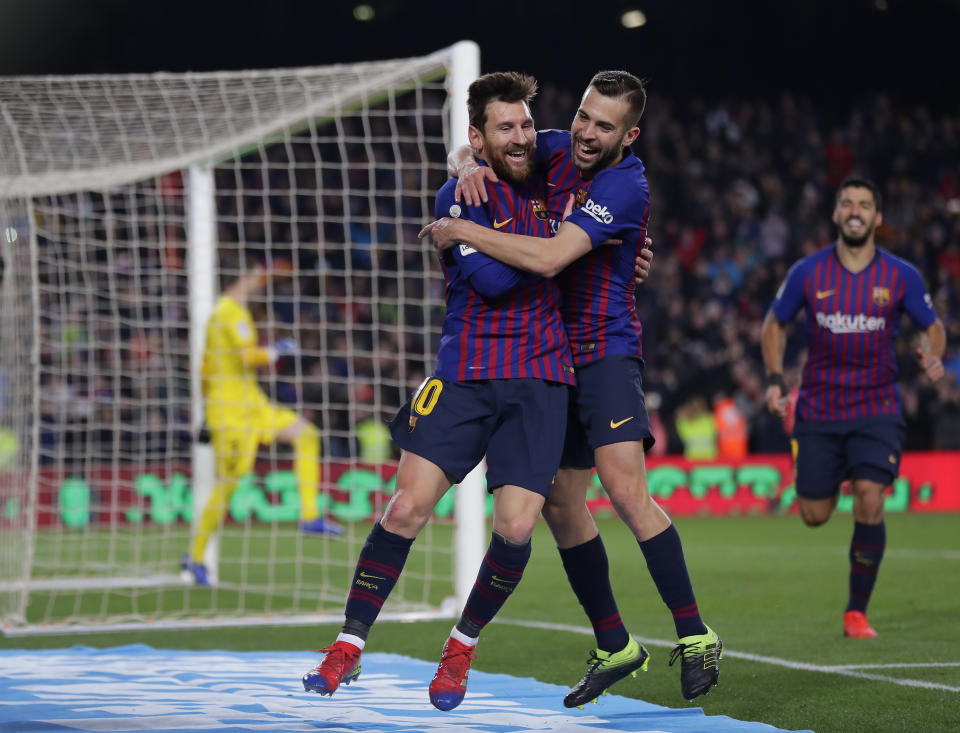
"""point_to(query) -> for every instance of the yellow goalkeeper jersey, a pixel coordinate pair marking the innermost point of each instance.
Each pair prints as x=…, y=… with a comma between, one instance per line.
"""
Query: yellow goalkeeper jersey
x=230, y=358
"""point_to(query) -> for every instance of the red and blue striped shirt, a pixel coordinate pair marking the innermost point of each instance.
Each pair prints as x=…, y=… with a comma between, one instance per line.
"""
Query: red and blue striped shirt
x=599, y=304
x=852, y=321
x=501, y=323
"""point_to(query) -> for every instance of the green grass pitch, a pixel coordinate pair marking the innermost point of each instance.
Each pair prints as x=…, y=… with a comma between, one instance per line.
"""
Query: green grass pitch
x=774, y=590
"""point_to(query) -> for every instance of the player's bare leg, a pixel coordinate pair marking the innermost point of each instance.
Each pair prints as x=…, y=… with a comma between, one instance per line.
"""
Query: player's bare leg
x=815, y=512
x=623, y=472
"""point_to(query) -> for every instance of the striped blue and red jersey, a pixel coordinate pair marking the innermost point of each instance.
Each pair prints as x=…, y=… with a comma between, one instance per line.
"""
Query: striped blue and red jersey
x=852, y=319
x=501, y=323
x=599, y=304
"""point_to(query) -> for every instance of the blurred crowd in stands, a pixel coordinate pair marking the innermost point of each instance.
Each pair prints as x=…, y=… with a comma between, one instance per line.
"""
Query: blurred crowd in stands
x=740, y=190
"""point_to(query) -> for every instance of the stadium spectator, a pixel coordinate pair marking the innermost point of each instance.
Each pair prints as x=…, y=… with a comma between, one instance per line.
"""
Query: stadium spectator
x=697, y=429
x=591, y=171
x=731, y=428
x=483, y=398
x=239, y=415
x=849, y=418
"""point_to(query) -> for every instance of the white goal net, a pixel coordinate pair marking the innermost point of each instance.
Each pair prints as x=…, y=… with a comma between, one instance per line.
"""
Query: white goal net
x=126, y=204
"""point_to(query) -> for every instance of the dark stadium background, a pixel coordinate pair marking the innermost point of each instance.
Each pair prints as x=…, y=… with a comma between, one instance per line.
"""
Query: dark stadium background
x=758, y=109
x=833, y=49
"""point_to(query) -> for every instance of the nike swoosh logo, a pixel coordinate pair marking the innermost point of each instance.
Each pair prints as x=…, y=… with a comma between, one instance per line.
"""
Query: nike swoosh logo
x=615, y=425
x=372, y=577
x=500, y=224
x=552, y=185
x=503, y=580
x=821, y=294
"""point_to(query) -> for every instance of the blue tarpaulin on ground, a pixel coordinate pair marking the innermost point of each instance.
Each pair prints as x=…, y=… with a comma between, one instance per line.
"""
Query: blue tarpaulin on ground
x=137, y=688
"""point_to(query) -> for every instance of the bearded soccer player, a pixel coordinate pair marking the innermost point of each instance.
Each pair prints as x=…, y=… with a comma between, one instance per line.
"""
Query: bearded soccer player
x=499, y=389
x=849, y=420
x=240, y=417
x=608, y=425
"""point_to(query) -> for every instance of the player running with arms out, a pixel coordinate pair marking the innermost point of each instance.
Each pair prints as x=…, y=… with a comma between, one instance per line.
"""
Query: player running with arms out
x=608, y=424
x=499, y=389
x=849, y=420
x=240, y=417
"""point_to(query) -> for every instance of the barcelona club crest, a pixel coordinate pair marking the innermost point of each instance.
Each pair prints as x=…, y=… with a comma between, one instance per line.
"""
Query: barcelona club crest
x=581, y=198
x=881, y=296
x=539, y=210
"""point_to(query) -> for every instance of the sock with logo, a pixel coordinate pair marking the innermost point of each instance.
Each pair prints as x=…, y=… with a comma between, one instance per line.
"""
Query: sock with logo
x=500, y=571
x=866, y=552
x=378, y=568
x=589, y=574
x=664, y=556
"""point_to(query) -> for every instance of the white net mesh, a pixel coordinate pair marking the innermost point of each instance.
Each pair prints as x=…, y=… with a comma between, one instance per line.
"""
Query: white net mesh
x=333, y=169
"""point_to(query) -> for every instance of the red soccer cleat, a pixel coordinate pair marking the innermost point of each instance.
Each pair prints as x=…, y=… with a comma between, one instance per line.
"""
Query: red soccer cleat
x=449, y=684
x=342, y=664
x=856, y=626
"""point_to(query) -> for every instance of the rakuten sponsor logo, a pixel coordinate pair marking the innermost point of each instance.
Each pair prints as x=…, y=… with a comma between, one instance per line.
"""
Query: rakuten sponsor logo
x=845, y=323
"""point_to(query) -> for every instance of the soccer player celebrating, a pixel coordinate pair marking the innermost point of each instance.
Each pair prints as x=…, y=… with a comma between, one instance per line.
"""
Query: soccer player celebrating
x=608, y=425
x=499, y=389
x=849, y=421
x=240, y=417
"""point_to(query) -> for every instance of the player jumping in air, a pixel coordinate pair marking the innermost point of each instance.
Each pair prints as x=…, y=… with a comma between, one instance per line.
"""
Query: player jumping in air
x=499, y=389
x=608, y=425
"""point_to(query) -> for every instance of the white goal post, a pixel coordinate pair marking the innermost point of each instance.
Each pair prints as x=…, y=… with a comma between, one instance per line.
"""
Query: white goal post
x=126, y=204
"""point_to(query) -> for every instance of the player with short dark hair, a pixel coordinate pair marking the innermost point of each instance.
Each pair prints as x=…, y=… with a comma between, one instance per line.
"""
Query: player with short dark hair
x=499, y=389
x=608, y=425
x=849, y=420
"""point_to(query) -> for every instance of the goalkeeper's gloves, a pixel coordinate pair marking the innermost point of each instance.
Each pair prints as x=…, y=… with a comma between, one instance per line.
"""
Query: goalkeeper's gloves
x=283, y=347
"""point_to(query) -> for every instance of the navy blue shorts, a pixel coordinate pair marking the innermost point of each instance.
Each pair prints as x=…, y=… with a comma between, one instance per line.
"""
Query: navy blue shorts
x=829, y=452
x=517, y=423
x=606, y=406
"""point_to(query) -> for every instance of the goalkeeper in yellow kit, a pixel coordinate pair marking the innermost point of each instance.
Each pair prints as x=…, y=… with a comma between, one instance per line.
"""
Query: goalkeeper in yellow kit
x=240, y=418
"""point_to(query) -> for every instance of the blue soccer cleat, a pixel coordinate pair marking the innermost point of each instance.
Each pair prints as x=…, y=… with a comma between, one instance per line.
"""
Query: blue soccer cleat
x=321, y=526
x=197, y=569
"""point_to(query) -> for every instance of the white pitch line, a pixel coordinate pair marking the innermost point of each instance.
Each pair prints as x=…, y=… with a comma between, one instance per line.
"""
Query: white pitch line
x=917, y=665
x=922, y=554
x=843, y=670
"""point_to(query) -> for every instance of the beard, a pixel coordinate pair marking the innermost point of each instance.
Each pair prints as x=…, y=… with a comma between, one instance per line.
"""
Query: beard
x=857, y=241
x=506, y=172
x=605, y=159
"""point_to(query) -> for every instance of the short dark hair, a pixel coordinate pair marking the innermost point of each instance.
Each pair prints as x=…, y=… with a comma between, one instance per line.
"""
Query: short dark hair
x=626, y=85
x=861, y=182
x=502, y=86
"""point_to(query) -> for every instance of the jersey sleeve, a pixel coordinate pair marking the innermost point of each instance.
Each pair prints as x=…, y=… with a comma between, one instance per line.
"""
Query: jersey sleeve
x=617, y=204
x=790, y=297
x=916, y=300
x=548, y=143
x=489, y=277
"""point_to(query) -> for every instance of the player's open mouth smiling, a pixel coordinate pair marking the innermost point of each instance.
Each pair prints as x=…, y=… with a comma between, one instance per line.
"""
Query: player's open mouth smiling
x=855, y=224
x=585, y=152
